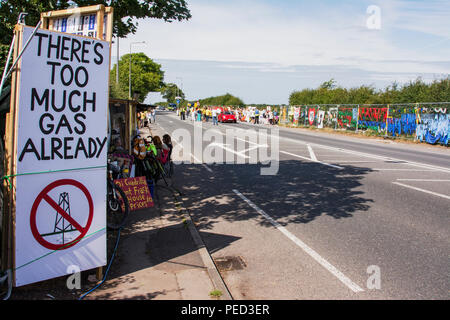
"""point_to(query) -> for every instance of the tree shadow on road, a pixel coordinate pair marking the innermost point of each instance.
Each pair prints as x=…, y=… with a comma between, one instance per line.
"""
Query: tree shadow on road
x=299, y=193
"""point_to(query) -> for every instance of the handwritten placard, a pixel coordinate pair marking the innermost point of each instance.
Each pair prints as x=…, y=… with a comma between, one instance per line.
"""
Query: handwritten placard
x=137, y=192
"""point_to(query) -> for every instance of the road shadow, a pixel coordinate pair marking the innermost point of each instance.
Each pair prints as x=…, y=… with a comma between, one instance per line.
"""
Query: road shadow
x=299, y=193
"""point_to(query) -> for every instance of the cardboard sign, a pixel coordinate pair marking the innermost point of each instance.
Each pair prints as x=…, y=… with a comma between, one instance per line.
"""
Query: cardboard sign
x=137, y=192
x=83, y=25
x=60, y=220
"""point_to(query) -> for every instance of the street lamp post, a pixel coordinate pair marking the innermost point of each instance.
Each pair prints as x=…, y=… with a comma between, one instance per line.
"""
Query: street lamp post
x=129, y=72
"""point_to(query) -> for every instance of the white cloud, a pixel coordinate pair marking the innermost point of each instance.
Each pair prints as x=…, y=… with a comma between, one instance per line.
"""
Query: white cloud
x=259, y=32
x=281, y=39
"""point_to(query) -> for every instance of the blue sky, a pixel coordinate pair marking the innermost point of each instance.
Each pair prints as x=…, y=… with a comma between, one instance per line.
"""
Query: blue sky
x=263, y=50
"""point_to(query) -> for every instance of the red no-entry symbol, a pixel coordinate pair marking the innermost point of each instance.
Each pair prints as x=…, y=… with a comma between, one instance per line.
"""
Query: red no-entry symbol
x=44, y=195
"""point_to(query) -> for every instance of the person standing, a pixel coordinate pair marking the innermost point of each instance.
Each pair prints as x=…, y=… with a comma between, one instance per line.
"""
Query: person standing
x=182, y=113
x=214, y=117
x=154, y=115
x=143, y=117
x=256, y=116
x=149, y=118
x=270, y=117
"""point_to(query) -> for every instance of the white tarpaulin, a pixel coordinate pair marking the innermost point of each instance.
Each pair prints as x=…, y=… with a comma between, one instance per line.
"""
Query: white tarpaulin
x=62, y=125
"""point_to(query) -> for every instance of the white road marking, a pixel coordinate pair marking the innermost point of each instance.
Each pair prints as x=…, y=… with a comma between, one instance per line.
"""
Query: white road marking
x=423, y=190
x=351, y=161
x=192, y=155
x=305, y=158
x=398, y=169
x=367, y=155
x=424, y=180
x=311, y=153
x=221, y=145
x=333, y=270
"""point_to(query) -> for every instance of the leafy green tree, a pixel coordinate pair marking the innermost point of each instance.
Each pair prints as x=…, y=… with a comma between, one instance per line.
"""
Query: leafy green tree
x=224, y=100
x=146, y=75
x=411, y=92
x=170, y=92
x=126, y=14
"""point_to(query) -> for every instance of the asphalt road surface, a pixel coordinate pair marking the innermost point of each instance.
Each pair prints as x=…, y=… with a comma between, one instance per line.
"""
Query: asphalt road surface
x=336, y=218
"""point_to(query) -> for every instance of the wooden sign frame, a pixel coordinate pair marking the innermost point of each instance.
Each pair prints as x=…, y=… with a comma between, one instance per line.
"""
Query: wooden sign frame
x=47, y=18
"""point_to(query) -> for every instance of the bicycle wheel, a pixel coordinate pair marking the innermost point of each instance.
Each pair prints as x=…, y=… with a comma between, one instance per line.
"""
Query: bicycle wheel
x=117, y=207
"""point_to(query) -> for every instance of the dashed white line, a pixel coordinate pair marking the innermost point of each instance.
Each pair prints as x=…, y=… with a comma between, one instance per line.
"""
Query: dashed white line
x=311, y=153
x=333, y=270
x=425, y=180
x=423, y=190
x=301, y=157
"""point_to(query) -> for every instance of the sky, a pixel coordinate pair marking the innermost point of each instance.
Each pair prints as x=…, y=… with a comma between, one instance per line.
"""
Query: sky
x=261, y=51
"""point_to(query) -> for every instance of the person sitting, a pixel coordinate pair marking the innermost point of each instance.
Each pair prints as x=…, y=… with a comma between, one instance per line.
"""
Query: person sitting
x=168, y=142
x=162, y=149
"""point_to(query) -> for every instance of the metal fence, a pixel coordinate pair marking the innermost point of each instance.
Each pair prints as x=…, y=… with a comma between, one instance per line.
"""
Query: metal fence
x=426, y=122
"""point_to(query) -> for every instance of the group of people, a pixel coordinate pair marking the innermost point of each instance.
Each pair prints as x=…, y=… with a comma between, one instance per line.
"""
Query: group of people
x=196, y=113
x=257, y=116
x=146, y=117
x=248, y=114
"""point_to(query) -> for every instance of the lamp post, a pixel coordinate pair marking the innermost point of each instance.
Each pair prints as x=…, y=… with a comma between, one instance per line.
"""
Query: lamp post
x=129, y=72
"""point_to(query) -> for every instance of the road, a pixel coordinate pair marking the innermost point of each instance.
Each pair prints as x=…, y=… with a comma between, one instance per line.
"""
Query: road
x=342, y=218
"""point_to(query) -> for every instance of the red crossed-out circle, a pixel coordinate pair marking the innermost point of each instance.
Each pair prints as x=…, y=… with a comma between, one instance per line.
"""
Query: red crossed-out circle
x=44, y=196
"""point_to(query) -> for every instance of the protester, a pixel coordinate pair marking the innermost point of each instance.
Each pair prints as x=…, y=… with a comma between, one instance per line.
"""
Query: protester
x=214, y=117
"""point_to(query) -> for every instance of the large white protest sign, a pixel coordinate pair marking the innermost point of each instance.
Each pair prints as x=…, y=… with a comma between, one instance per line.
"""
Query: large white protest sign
x=62, y=127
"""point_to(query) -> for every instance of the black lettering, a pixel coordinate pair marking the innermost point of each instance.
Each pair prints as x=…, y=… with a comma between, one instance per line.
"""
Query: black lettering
x=40, y=36
x=63, y=102
x=63, y=122
x=71, y=107
x=40, y=101
x=53, y=64
x=56, y=145
x=85, y=51
x=49, y=128
x=43, y=156
x=101, y=145
x=92, y=148
x=86, y=77
x=64, y=82
x=98, y=61
x=64, y=48
x=76, y=46
x=87, y=101
x=29, y=147
x=81, y=147
x=56, y=46
x=67, y=147
x=80, y=122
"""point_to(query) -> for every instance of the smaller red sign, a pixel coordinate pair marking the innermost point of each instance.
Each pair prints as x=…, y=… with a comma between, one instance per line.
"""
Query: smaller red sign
x=137, y=192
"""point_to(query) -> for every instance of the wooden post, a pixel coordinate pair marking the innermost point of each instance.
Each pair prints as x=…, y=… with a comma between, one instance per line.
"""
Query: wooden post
x=11, y=128
x=357, y=120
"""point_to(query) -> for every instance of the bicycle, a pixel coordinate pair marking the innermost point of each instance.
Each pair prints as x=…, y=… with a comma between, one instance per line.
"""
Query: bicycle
x=117, y=203
x=153, y=165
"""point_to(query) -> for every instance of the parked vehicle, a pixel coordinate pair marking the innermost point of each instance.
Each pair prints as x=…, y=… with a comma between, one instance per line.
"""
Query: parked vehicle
x=226, y=116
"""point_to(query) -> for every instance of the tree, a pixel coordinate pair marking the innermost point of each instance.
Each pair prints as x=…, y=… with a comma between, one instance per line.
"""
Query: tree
x=125, y=15
x=146, y=75
x=170, y=92
x=224, y=100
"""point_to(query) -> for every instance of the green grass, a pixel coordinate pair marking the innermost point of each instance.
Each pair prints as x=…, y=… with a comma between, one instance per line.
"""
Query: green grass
x=215, y=293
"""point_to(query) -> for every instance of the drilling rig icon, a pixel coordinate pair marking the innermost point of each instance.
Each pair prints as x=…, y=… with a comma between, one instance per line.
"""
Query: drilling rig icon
x=62, y=226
